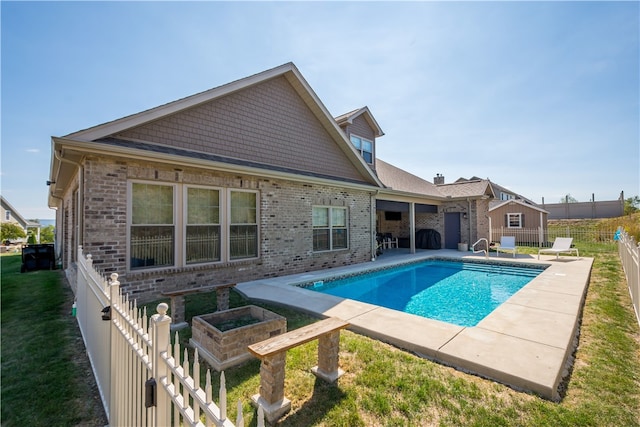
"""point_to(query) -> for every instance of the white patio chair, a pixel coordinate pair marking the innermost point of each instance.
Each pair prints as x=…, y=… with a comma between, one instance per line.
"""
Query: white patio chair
x=560, y=245
x=507, y=244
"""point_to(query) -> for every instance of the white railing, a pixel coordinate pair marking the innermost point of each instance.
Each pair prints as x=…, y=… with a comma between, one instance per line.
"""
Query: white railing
x=140, y=377
x=486, y=247
x=629, y=252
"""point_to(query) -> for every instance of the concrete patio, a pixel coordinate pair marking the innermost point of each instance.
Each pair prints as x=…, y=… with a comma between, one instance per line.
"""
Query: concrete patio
x=526, y=343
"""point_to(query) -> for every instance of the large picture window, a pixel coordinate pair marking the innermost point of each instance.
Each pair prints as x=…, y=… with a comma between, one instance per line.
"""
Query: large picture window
x=329, y=228
x=174, y=225
x=152, y=225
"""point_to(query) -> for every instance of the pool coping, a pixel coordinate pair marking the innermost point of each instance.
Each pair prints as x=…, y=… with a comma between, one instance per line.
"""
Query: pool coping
x=527, y=343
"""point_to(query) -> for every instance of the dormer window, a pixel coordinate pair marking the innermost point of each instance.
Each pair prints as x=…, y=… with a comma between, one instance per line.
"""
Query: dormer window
x=364, y=146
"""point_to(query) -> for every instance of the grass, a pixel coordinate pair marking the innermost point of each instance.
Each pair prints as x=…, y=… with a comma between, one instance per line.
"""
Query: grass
x=387, y=386
x=382, y=386
x=43, y=379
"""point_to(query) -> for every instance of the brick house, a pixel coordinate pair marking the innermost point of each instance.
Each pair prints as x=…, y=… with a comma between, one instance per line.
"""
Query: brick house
x=248, y=180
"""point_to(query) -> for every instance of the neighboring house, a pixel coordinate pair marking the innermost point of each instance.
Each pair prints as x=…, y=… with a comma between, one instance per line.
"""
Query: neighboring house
x=248, y=180
x=11, y=214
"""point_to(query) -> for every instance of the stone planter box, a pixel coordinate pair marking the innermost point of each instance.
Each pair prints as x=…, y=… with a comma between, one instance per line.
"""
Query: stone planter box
x=222, y=337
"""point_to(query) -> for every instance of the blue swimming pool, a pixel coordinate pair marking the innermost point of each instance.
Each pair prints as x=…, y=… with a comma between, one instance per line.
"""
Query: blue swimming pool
x=462, y=293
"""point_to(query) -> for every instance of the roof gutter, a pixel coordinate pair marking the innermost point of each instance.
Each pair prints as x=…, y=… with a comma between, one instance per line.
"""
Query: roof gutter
x=178, y=160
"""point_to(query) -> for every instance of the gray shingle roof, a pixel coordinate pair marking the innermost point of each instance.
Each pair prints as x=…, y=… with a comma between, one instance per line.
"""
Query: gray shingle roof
x=401, y=180
x=475, y=188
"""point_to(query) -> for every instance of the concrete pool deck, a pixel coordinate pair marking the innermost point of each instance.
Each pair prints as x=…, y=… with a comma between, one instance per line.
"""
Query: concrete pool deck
x=526, y=343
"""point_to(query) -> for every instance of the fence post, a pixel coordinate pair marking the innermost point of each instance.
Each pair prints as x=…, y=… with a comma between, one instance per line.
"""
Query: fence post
x=540, y=236
x=161, y=324
x=114, y=294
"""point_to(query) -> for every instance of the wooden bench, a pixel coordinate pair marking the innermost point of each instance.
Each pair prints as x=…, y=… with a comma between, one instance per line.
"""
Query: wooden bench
x=273, y=351
x=178, y=305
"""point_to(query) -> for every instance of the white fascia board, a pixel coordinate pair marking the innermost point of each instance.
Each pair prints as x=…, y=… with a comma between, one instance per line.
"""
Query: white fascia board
x=506, y=202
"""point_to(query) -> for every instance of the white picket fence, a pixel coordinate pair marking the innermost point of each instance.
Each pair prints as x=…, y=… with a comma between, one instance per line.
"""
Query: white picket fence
x=138, y=372
x=629, y=252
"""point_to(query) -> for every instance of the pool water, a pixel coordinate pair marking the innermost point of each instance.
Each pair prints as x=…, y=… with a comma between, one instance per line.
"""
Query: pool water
x=461, y=293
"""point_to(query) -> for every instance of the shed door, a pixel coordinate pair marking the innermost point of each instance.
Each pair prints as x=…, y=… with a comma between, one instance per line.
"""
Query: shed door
x=451, y=230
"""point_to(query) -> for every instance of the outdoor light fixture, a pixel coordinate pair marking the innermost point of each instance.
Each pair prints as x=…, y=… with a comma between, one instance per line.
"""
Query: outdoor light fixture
x=106, y=313
x=50, y=182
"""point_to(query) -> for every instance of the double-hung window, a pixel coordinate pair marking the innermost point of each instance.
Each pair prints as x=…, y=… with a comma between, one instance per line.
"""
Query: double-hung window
x=153, y=230
x=243, y=227
x=174, y=225
x=203, y=225
x=364, y=146
x=329, y=228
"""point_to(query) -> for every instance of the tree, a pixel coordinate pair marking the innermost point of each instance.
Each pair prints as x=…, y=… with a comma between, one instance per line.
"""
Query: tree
x=47, y=234
x=568, y=199
x=631, y=205
x=11, y=231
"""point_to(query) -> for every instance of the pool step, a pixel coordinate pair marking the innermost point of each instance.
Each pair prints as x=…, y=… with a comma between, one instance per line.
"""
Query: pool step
x=495, y=269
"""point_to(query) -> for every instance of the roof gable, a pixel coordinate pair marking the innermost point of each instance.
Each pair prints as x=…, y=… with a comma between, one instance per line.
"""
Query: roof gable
x=267, y=123
x=272, y=118
x=467, y=188
x=6, y=206
x=493, y=207
x=365, y=113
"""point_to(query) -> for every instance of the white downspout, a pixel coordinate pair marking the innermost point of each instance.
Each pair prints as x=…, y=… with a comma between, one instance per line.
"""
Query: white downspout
x=471, y=238
x=80, y=212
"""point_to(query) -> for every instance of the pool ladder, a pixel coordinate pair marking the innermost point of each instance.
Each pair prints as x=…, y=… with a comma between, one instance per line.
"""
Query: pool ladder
x=486, y=250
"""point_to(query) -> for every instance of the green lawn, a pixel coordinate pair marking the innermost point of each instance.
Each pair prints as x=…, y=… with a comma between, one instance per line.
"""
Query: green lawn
x=44, y=370
x=382, y=386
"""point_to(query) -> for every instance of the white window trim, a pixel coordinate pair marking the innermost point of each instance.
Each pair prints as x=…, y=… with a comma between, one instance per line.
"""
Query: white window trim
x=360, y=150
x=519, y=215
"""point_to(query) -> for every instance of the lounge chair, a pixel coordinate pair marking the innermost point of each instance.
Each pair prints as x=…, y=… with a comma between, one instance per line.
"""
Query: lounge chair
x=560, y=245
x=507, y=244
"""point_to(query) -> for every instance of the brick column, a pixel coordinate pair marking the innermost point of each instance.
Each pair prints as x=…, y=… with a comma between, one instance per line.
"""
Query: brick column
x=177, y=308
x=328, y=357
x=272, y=377
x=222, y=298
x=271, y=396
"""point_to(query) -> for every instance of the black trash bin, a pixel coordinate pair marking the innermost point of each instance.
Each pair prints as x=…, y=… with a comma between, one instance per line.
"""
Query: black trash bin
x=38, y=257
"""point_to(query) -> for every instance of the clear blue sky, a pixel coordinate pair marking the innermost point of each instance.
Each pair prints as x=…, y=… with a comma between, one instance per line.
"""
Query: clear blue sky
x=540, y=97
